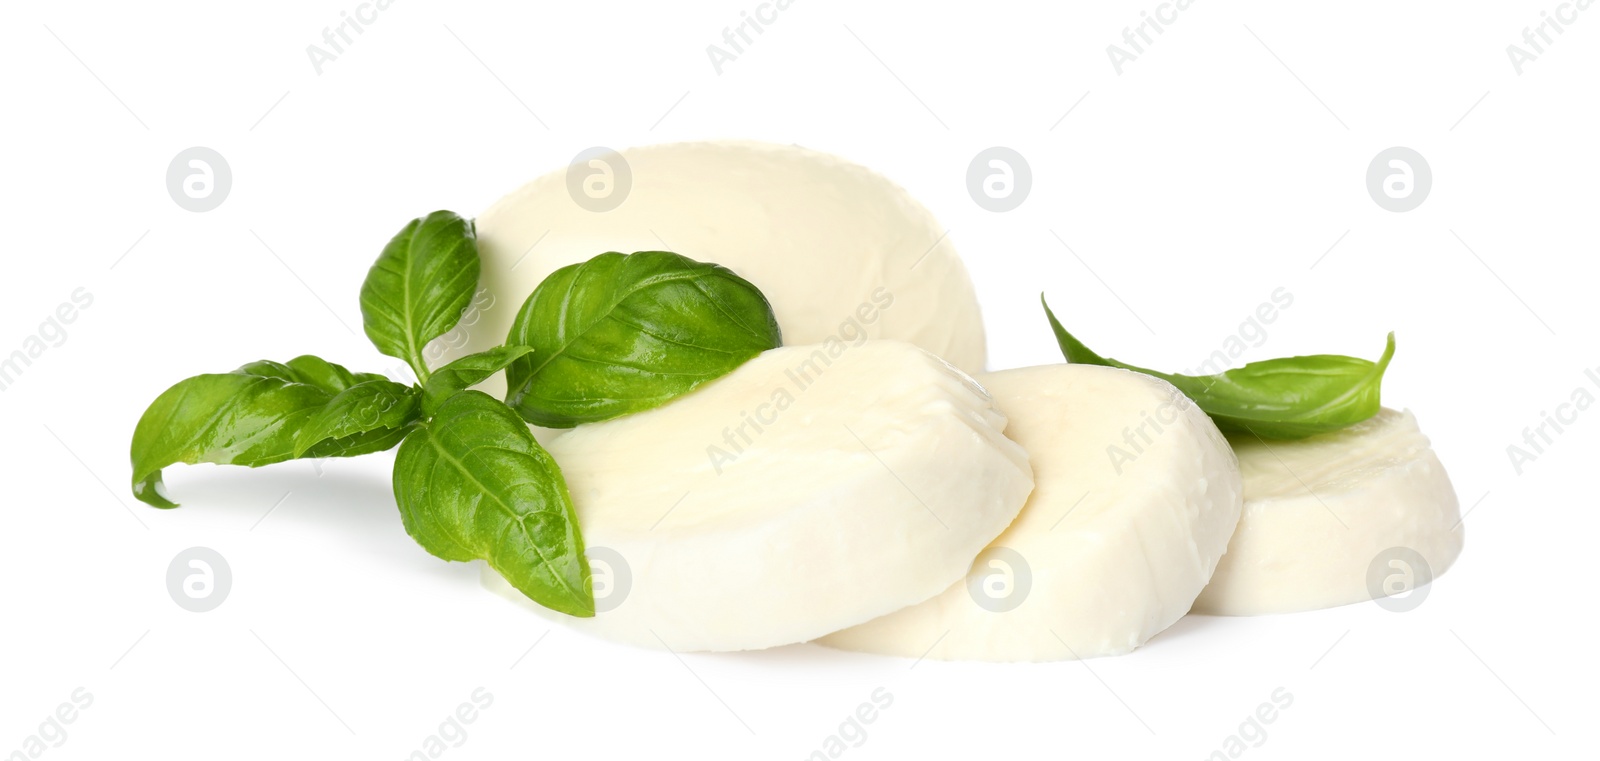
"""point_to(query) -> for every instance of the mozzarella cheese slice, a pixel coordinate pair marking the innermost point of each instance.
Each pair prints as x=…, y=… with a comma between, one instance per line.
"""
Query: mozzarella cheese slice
x=1336, y=519
x=814, y=488
x=839, y=251
x=1135, y=496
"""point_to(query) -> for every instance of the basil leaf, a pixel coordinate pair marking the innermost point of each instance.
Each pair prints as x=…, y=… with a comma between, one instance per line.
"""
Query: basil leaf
x=1288, y=398
x=308, y=369
x=419, y=286
x=472, y=483
x=466, y=372
x=623, y=333
x=364, y=408
x=247, y=417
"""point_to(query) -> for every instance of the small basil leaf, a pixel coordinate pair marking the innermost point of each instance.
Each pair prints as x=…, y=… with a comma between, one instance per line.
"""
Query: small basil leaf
x=247, y=417
x=367, y=442
x=419, y=286
x=364, y=408
x=309, y=369
x=472, y=483
x=1287, y=398
x=466, y=372
x=623, y=333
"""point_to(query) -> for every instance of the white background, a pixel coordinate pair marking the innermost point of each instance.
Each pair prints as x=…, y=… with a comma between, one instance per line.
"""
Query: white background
x=1226, y=161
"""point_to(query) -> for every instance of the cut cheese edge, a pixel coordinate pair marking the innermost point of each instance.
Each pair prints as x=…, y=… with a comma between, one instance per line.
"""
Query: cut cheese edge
x=812, y=489
x=1321, y=513
x=838, y=250
x=1136, y=494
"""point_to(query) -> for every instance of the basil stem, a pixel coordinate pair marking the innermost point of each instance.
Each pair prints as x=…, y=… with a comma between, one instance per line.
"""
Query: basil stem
x=466, y=372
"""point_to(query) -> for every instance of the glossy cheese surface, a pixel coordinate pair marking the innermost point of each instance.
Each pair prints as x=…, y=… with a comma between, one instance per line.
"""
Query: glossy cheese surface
x=1136, y=494
x=814, y=488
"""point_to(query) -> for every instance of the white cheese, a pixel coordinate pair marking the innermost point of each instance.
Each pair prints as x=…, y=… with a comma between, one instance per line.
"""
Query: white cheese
x=838, y=250
x=1135, y=496
x=1320, y=512
x=814, y=488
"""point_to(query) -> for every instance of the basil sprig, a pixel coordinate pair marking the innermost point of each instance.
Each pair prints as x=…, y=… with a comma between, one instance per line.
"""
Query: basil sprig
x=1287, y=398
x=622, y=333
x=497, y=495
x=613, y=336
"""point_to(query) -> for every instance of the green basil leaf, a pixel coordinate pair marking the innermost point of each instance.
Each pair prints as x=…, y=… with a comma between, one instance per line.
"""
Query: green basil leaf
x=247, y=417
x=365, y=442
x=472, y=483
x=419, y=286
x=623, y=333
x=466, y=372
x=311, y=370
x=1288, y=398
x=364, y=408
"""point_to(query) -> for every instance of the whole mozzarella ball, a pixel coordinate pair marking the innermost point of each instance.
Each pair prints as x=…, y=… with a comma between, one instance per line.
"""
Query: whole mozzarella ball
x=839, y=251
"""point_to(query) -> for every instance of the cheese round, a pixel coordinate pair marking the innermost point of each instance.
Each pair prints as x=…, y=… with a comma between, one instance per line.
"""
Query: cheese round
x=838, y=250
x=814, y=488
x=1336, y=519
x=1135, y=496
